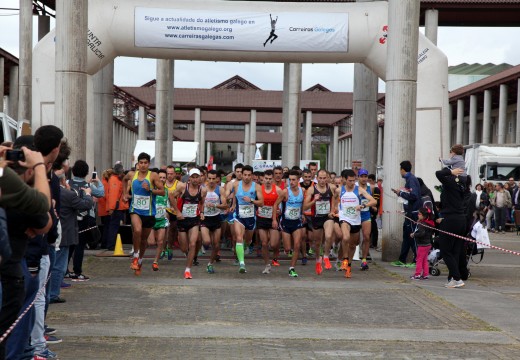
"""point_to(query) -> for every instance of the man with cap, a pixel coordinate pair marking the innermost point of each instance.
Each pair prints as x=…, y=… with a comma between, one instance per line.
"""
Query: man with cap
x=189, y=198
x=116, y=205
x=366, y=220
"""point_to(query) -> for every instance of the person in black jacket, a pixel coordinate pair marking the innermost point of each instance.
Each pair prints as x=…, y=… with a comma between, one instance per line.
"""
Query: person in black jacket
x=453, y=221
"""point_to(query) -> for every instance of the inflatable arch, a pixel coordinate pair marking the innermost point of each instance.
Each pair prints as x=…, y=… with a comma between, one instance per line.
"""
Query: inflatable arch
x=217, y=30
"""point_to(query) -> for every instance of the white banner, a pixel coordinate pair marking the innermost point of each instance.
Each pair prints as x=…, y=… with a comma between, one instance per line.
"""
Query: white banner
x=241, y=31
x=262, y=165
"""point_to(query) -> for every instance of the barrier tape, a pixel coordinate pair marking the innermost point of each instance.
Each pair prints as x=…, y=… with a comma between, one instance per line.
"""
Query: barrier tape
x=11, y=328
x=87, y=229
x=399, y=212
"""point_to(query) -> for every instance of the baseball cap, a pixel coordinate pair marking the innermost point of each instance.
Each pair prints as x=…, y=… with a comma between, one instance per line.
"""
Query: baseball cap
x=362, y=172
x=194, y=171
x=178, y=170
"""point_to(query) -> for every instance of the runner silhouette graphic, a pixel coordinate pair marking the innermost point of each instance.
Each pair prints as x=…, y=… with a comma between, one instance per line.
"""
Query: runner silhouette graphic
x=272, y=35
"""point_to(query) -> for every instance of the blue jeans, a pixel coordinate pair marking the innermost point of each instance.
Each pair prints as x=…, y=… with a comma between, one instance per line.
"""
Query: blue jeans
x=58, y=271
x=408, y=242
x=52, y=261
x=37, y=334
x=19, y=339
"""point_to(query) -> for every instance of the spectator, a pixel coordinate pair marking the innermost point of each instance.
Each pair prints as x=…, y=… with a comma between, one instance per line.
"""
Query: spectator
x=102, y=208
x=501, y=203
x=490, y=191
x=116, y=204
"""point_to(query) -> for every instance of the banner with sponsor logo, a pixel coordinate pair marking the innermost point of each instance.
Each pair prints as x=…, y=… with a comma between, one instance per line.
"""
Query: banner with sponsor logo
x=263, y=165
x=241, y=31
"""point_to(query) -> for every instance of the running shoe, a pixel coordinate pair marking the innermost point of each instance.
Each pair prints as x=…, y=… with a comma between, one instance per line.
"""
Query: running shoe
x=304, y=261
x=364, y=266
x=169, y=253
x=242, y=269
x=319, y=269
x=45, y=354
x=163, y=254
x=348, y=272
x=397, y=263
x=155, y=266
x=409, y=265
x=310, y=252
x=275, y=262
x=187, y=275
x=135, y=263
x=290, y=253
x=49, y=330
x=51, y=339
x=79, y=278
x=415, y=277
x=337, y=266
x=328, y=266
x=267, y=269
x=425, y=277
x=236, y=262
x=292, y=273
x=68, y=274
x=455, y=284
x=137, y=272
x=251, y=249
x=210, y=269
x=217, y=258
x=344, y=264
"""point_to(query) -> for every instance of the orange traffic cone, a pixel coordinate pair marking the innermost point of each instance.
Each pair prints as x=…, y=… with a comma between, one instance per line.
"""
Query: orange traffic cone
x=118, y=250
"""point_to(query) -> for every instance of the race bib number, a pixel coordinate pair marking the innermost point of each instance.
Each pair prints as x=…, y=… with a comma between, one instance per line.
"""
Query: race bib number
x=141, y=202
x=265, y=212
x=211, y=209
x=349, y=212
x=292, y=213
x=322, y=207
x=189, y=210
x=160, y=211
x=246, y=211
x=365, y=202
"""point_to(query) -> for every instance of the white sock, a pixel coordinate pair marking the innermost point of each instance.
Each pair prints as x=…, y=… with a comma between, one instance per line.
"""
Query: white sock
x=136, y=254
x=187, y=269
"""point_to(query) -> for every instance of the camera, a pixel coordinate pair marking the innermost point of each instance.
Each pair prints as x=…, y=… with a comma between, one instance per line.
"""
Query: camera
x=14, y=155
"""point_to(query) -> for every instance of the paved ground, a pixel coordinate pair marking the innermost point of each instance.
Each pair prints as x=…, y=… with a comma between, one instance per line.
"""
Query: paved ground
x=378, y=314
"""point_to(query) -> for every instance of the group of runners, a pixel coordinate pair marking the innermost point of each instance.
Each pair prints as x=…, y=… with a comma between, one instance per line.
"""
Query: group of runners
x=311, y=212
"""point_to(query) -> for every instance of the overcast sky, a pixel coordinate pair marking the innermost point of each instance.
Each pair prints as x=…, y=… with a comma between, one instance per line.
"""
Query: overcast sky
x=470, y=45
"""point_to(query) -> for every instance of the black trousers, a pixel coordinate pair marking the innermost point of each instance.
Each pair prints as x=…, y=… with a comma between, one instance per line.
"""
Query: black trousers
x=452, y=248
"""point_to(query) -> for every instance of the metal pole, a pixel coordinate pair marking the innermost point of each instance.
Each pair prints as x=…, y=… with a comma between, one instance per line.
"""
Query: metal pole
x=71, y=76
x=247, y=144
x=202, y=143
x=401, y=95
x=25, y=61
x=308, y=136
x=196, y=133
x=472, y=119
x=502, y=114
x=460, y=121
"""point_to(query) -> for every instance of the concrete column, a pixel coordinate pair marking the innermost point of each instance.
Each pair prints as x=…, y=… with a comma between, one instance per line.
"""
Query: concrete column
x=196, y=132
x=71, y=76
x=308, y=136
x=460, y=121
x=472, y=119
x=401, y=100
x=202, y=143
x=238, y=152
x=44, y=26
x=379, y=146
x=100, y=102
x=335, y=148
x=142, y=129
x=349, y=153
x=252, y=134
x=25, y=61
x=291, y=109
x=2, y=83
x=12, y=106
x=269, y=146
x=364, y=127
x=162, y=91
x=208, y=150
x=169, y=131
x=517, y=138
x=247, y=144
x=486, y=122
x=502, y=114
x=285, y=99
x=431, y=23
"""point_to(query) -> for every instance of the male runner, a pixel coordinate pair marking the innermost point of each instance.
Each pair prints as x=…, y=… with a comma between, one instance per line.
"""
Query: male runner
x=349, y=208
x=210, y=226
x=145, y=186
x=247, y=195
x=190, y=200
x=366, y=220
x=322, y=204
x=230, y=196
x=306, y=183
x=291, y=219
x=171, y=185
x=162, y=203
x=264, y=221
x=278, y=177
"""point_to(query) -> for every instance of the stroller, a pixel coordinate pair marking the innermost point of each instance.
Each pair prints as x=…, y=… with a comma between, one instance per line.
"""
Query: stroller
x=434, y=257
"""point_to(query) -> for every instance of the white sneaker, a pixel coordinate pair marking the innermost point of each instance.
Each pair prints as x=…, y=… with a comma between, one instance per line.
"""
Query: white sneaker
x=452, y=284
x=267, y=269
